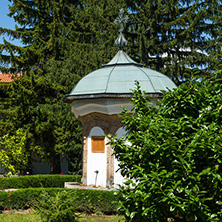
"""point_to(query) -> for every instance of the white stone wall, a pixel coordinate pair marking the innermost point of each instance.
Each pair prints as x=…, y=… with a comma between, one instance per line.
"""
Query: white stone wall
x=96, y=161
x=118, y=178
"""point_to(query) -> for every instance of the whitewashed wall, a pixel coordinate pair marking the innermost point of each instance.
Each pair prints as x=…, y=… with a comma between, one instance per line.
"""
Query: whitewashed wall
x=96, y=161
x=118, y=178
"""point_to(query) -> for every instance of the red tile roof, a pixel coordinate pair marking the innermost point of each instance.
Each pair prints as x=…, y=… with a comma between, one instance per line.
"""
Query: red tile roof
x=7, y=77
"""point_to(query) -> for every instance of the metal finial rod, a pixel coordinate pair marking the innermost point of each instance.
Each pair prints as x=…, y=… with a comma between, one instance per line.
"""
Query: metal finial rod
x=121, y=41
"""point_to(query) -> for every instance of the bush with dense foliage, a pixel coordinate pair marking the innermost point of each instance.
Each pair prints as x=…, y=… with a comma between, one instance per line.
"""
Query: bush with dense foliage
x=52, y=180
x=172, y=155
x=56, y=208
x=13, y=153
x=84, y=200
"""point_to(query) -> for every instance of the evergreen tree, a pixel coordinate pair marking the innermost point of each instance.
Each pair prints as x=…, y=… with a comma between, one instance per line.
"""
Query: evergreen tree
x=34, y=104
x=34, y=101
x=170, y=36
x=89, y=41
x=65, y=40
x=38, y=27
x=62, y=43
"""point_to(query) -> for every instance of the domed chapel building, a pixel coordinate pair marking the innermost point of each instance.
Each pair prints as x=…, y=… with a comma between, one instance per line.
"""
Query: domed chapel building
x=96, y=101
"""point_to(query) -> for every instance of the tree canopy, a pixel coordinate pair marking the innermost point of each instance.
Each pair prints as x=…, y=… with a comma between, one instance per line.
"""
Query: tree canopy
x=64, y=40
x=166, y=36
x=170, y=36
x=13, y=153
x=35, y=105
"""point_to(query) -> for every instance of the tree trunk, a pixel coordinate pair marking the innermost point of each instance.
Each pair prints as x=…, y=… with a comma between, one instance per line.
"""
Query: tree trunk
x=55, y=167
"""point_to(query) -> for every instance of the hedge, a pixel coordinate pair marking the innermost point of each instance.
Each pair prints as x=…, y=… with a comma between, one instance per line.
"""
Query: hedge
x=54, y=180
x=85, y=200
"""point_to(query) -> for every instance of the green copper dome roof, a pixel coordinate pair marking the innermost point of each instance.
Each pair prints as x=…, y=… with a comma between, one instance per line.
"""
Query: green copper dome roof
x=117, y=79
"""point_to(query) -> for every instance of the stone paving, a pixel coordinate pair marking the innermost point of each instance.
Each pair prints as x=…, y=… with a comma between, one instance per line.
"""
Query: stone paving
x=75, y=185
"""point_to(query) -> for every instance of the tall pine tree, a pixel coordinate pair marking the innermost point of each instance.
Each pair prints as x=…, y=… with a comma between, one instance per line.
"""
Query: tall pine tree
x=170, y=36
x=34, y=101
x=39, y=24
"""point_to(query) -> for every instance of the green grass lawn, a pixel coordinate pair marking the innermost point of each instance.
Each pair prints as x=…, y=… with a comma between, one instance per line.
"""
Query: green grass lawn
x=30, y=216
x=19, y=216
x=95, y=218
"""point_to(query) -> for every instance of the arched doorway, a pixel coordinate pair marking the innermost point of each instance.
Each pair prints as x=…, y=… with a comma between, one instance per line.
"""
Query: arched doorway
x=97, y=157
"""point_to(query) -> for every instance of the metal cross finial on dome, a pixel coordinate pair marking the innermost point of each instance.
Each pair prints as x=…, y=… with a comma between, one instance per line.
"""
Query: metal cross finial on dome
x=121, y=41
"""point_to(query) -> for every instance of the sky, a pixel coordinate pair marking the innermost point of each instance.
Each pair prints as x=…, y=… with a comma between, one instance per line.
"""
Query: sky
x=6, y=21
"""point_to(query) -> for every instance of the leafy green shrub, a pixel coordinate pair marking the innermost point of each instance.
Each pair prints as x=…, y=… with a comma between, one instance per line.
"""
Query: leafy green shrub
x=84, y=200
x=95, y=201
x=20, y=199
x=53, y=180
x=58, y=208
x=15, y=144
x=172, y=155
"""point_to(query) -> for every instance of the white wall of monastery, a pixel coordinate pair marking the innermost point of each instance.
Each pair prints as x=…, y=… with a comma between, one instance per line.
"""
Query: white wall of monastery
x=96, y=161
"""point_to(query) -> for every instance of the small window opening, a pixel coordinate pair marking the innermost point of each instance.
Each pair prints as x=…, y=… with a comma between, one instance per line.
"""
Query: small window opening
x=98, y=144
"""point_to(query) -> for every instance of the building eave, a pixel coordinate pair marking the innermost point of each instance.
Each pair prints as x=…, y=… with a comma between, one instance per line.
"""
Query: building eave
x=70, y=98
